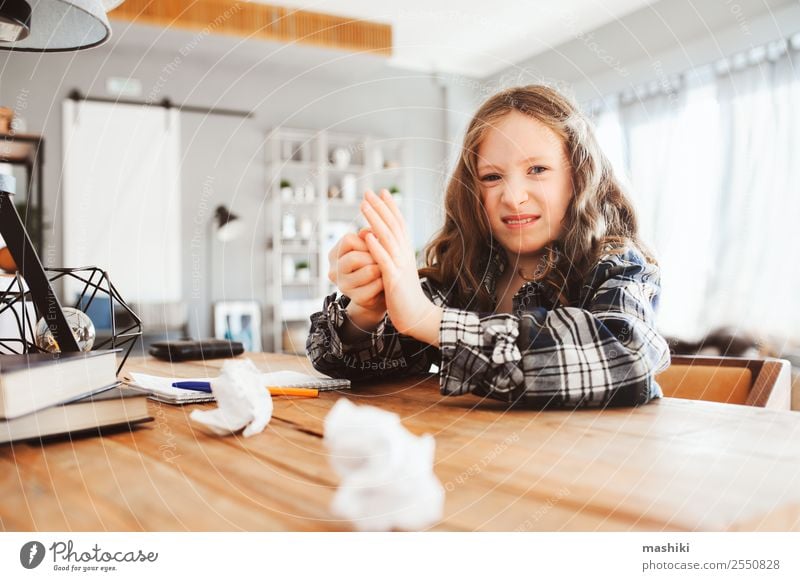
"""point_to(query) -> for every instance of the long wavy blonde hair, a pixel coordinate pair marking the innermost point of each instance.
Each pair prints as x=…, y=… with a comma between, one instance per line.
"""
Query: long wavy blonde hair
x=599, y=217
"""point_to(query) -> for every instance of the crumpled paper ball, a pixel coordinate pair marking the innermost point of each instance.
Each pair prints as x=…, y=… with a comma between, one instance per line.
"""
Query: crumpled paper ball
x=242, y=398
x=387, y=479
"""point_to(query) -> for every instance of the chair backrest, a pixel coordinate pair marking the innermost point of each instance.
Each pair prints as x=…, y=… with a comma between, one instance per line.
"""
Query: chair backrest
x=754, y=382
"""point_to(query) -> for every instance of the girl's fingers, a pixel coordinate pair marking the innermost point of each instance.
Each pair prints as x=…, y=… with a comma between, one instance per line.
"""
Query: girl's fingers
x=379, y=253
x=366, y=292
x=347, y=243
x=364, y=275
x=392, y=205
x=354, y=260
x=379, y=230
x=383, y=210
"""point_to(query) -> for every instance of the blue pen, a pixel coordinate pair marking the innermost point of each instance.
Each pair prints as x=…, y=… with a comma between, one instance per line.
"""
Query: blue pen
x=195, y=385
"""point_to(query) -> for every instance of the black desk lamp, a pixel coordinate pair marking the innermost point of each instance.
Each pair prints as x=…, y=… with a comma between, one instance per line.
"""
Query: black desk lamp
x=227, y=224
x=45, y=26
x=224, y=226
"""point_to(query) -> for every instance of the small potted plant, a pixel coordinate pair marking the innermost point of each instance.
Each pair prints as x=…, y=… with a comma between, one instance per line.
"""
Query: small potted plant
x=286, y=190
x=395, y=191
x=302, y=271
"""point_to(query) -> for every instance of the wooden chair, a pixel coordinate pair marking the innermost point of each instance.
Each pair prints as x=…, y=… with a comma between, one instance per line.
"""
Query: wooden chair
x=754, y=382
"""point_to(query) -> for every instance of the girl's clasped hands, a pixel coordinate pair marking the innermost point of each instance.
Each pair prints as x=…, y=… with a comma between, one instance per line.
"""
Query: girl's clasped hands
x=377, y=270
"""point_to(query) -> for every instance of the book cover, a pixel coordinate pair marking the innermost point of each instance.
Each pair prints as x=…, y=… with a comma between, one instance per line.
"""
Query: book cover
x=35, y=381
x=116, y=407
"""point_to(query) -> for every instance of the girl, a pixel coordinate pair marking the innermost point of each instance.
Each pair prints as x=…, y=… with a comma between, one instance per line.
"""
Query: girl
x=537, y=289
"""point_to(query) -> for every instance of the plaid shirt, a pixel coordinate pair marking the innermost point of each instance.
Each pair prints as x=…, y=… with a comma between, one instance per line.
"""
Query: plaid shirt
x=604, y=351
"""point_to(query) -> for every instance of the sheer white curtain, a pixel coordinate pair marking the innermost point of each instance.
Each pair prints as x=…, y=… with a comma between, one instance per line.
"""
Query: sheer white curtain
x=608, y=130
x=755, y=285
x=674, y=173
x=714, y=173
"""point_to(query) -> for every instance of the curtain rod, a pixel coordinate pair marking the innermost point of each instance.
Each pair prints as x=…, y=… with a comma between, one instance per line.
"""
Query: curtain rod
x=752, y=56
x=76, y=95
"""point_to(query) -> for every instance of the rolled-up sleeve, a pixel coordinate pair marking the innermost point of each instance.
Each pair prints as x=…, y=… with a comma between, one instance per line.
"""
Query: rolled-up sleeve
x=382, y=353
x=605, y=353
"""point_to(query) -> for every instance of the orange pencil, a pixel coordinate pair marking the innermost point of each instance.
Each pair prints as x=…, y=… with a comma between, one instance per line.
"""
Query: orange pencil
x=299, y=391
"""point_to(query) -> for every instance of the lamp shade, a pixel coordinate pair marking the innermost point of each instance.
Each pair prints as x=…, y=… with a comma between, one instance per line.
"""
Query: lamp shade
x=55, y=25
x=15, y=20
x=228, y=225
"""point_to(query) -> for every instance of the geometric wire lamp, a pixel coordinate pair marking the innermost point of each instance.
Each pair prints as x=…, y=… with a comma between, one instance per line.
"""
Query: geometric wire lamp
x=98, y=299
x=101, y=301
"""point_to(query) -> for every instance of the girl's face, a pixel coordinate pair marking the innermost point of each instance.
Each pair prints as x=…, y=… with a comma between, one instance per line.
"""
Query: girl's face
x=526, y=185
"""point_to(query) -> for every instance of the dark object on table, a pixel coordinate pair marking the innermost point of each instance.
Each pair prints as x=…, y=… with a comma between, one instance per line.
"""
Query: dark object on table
x=195, y=350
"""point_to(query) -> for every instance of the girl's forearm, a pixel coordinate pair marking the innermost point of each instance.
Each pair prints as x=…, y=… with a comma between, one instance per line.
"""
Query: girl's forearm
x=426, y=329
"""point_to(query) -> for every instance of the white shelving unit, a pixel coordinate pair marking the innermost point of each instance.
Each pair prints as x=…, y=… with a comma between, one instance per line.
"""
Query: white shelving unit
x=314, y=165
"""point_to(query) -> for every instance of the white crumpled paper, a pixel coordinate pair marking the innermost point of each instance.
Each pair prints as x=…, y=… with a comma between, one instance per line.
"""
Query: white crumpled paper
x=386, y=471
x=243, y=400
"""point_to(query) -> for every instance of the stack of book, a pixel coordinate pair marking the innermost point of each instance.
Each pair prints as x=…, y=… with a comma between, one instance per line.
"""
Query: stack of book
x=50, y=394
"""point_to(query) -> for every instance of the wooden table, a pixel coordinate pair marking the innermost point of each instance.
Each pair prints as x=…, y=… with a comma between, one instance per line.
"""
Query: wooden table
x=671, y=465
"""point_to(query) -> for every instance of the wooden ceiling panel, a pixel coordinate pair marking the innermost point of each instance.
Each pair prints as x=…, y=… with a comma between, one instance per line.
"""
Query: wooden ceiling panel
x=255, y=20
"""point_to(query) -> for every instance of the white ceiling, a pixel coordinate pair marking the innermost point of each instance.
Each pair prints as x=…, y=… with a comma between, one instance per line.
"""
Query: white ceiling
x=476, y=38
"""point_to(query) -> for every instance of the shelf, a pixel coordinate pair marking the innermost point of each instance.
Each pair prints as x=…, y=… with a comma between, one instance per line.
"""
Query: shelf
x=331, y=217
x=300, y=203
x=334, y=203
x=349, y=169
x=298, y=249
x=18, y=148
x=295, y=283
x=291, y=165
x=356, y=205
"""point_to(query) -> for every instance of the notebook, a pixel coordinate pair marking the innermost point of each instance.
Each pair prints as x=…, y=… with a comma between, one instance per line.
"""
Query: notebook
x=160, y=388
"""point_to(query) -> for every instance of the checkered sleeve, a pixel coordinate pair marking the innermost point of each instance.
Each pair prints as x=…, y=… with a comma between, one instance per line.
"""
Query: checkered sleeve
x=605, y=353
x=383, y=353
